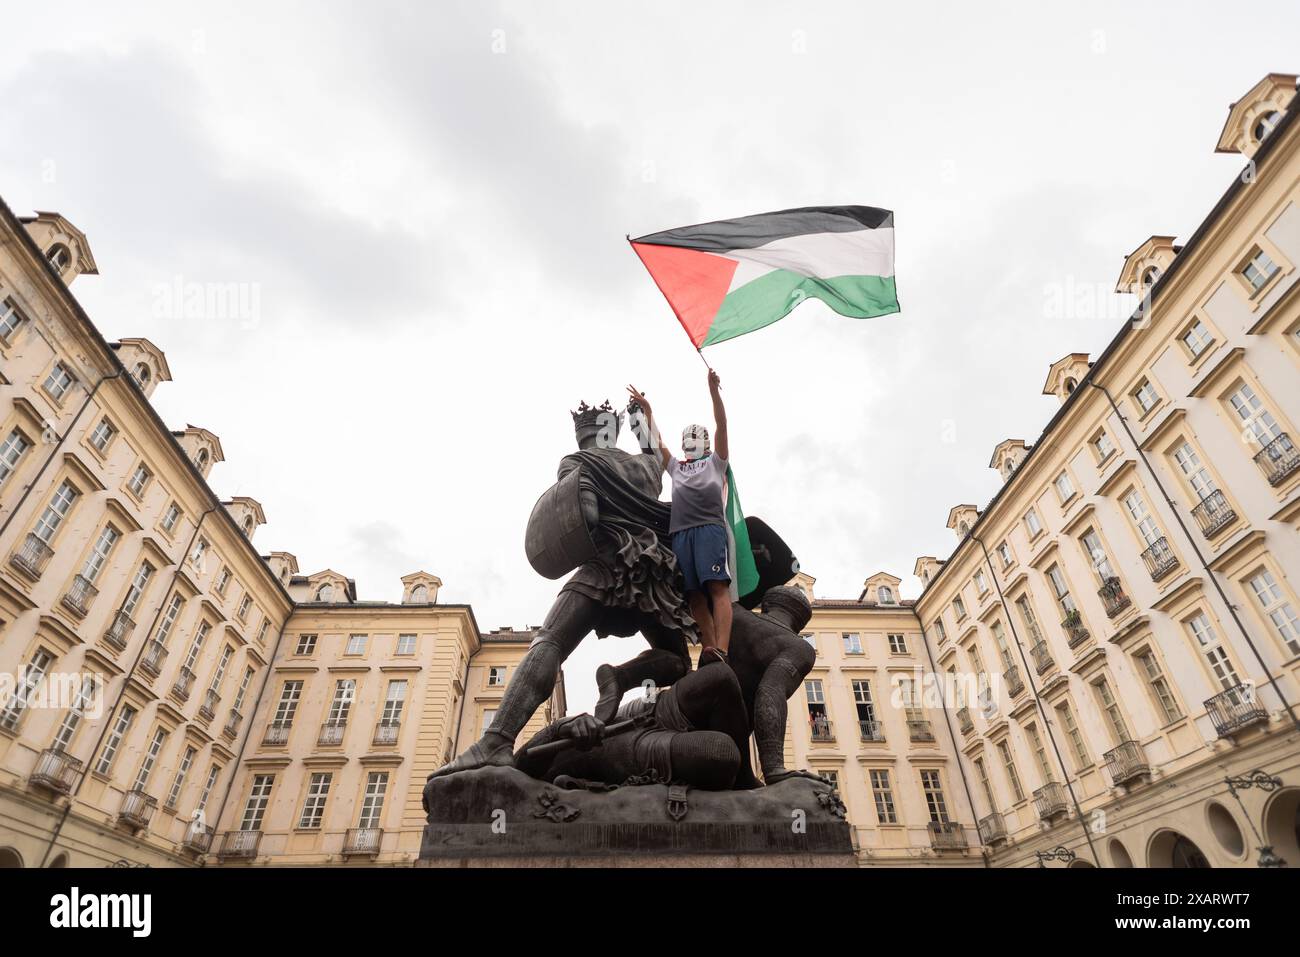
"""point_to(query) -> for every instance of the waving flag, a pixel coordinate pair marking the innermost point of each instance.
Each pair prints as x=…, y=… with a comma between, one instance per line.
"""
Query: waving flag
x=734, y=276
x=740, y=554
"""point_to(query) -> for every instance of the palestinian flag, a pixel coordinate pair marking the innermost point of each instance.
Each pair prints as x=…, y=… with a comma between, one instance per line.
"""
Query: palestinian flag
x=740, y=554
x=731, y=277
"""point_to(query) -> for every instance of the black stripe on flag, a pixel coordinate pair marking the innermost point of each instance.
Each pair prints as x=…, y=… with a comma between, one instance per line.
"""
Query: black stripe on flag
x=749, y=232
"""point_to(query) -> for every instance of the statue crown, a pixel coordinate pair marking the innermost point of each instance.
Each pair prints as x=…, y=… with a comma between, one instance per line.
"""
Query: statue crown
x=590, y=416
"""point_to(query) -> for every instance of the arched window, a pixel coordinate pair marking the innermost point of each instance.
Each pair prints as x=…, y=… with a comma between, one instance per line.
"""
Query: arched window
x=1266, y=125
x=202, y=458
x=59, y=256
x=325, y=592
x=885, y=595
x=1149, y=276
x=963, y=527
x=248, y=525
x=1070, y=386
x=141, y=374
x=420, y=593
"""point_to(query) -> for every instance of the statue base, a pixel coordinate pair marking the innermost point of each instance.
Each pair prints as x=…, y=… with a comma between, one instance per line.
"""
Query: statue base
x=500, y=817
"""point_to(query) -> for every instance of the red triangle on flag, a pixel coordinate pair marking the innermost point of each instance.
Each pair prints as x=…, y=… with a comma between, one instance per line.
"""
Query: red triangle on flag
x=693, y=282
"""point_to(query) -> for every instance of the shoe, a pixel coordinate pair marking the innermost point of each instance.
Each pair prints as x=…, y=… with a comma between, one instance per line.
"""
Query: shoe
x=709, y=655
x=611, y=693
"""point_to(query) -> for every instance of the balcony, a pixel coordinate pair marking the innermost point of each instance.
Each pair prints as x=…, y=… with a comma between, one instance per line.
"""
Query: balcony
x=1214, y=514
x=198, y=840
x=56, y=771
x=331, y=734
x=277, y=734
x=1012, y=677
x=79, y=596
x=919, y=730
x=964, y=720
x=155, y=654
x=1235, y=710
x=137, y=809
x=1075, y=632
x=183, y=684
x=947, y=836
x=211, y=701
x=871, y=730
x=32, y=557
x=993, y=830
x=362, y=841
x=386, y=733
x=1113, y=597
x=239, y=845
x=1042, y=656
x=119, y=631
x=821, y=728
x=1126, y=762
x=231, y=730
x=1279, y=459
x=1159, y=559
x=1050, y=800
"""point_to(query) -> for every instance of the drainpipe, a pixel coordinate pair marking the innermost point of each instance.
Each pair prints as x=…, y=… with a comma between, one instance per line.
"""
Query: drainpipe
x=1232, y=609
x=248, y=733
x=943, y=703
x=1038, y=700
x=103, y=733
x=31, y=486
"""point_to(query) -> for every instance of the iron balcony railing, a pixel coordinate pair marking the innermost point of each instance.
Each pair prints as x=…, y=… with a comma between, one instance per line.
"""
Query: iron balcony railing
x=362, y=841
x=964, y=720
x=947, y=836
x=32, y=557
x=1159, y=559
x=183, y=684
x=56, y=770
x=1050, y=800
x=119, y=630
x=1234, y=710
x=211, y=701
x=1113, y=597
x=1279, y=459
x=1075, y=632
x=277, y=734
x=198, y=839
x=1042, y=656
x=918, y=729
x=821, y=729
x=1126, y=762
x=1214, y=514
x=137, y=809
x=240, y=844
x=386, y=733
x=871, y=730
x=993, y=830
x=233, y=720
x=1012, y=677
x=79, y=596
x=155, y=654
x=331, y=734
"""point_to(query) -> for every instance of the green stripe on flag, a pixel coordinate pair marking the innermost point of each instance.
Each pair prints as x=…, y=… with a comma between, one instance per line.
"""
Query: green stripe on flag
x=746, y=570
x=771, y=297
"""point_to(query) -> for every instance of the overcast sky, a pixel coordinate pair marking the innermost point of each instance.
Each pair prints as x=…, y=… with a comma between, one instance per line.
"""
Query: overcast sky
x=425, y=206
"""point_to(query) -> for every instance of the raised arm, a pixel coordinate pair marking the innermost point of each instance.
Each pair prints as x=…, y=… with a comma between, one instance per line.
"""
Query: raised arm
x=657, y=442
x=719, y=418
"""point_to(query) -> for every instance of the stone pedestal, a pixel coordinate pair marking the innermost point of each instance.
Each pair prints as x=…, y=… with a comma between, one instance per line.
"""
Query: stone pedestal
x=500, y=817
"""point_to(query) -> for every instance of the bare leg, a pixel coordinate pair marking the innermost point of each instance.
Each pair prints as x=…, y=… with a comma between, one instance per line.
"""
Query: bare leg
x=720, y=597
x=570, y=619
x=703, y=617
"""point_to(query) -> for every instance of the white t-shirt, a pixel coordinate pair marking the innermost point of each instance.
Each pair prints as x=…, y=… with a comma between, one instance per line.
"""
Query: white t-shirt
x=698, y=489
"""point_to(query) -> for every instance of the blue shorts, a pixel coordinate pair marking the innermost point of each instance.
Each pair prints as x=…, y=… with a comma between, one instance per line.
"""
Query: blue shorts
x=702, y=555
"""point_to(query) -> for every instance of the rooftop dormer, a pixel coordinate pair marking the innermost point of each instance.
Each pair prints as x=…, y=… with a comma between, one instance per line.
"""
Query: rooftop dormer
x=420, y=588
x=1144, y=265
x=203, y=448
x=804, y=582
x=926, y=567
x=882, y=588
x=283, y=565
x=328, y=587
x=1065, y=375
x=962, y=518
x=247, y=513
x=63, y=244
x=1252, y=118
x=145, y=362
x=1007, y=456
